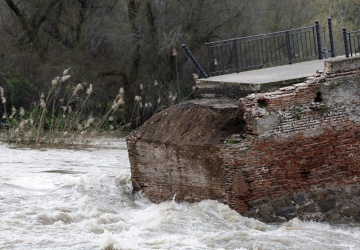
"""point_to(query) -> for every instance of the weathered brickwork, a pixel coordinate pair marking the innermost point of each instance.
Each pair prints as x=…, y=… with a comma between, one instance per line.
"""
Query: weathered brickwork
x=291, y=152
x=177, y=153
x=184, y=175
x=305, y=137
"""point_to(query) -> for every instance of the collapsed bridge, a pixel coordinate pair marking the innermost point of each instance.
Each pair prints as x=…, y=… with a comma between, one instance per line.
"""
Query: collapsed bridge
x=282, y=150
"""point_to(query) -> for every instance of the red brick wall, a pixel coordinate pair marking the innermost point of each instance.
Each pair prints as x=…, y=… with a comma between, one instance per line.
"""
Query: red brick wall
x=281, y=166
x=189, y=174
x=297, y=144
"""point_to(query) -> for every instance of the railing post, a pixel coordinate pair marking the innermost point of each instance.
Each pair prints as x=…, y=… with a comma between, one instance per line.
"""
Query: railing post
x=194, y=61
x=331, y=38
x=318, y=37
x=236, y=56
x=346, y=43
x=287, y=33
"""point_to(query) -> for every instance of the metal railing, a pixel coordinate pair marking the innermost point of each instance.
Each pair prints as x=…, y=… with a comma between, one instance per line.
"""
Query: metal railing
x=351, y=42
x=288, y=46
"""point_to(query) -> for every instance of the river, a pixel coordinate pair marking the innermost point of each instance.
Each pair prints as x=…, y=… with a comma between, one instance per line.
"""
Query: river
x=53, y=198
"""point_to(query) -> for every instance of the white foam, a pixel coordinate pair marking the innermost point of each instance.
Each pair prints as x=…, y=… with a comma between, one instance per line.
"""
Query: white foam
x=90, y=205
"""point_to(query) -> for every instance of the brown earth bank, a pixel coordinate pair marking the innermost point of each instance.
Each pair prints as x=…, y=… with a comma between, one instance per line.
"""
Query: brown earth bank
x=294, y=152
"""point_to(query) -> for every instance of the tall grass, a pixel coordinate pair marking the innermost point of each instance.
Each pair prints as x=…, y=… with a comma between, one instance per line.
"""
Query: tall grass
x=60, y=116
x=65, y=113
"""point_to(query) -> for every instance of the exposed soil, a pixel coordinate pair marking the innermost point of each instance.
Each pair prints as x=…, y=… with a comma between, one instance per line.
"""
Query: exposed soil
x=192, y=121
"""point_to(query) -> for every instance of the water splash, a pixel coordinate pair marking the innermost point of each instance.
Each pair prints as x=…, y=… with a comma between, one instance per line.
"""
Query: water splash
x=83, y=199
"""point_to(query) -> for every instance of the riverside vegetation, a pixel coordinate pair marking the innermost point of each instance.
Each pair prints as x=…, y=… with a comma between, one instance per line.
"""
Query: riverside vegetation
x=61, y=115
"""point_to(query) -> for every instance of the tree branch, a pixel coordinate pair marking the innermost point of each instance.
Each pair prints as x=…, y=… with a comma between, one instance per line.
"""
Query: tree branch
x=22, y=19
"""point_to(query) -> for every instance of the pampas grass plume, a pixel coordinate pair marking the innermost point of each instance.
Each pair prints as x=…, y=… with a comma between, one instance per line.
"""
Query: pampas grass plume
x=64, y=78
x=89, y=90
x=22, y=111
x=66, y=71
x=13, y=112
x=78, y=87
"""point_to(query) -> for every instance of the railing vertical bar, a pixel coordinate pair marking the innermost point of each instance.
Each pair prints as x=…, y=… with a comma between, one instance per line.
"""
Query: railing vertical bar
x=350, y=44
x=281, y=53
x=288, y=46
x=253, y=52
x=227, y=56
x=218, y=60
x=274, y=49
x=232, y=57
x=277, y=48
x=278, y=42
x=222, y=61
x=299, y=42
x=270, y=50
x=262, y=51
x=302, y=43
x=256, y=54
x=241, y=53
x=236, y=57
x=295, y=42
x=284, y=48
x=229, y=59
x=253, y=57
x=309, y=44
x=209, y=60
x=258, y=51
x=246, y=50
x=215, y=59
x=245, y=59
x=306, y=43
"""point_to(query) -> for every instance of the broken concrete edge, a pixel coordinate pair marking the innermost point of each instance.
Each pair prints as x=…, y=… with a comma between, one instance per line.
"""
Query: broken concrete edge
x=237, y=90
x=341, y=64
x=255, y=86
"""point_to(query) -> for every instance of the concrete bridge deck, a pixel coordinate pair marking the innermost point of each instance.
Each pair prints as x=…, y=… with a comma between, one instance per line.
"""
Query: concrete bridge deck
x=266, y=79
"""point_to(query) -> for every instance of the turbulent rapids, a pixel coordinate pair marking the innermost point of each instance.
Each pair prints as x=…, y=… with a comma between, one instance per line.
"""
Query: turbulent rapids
x=83, y=199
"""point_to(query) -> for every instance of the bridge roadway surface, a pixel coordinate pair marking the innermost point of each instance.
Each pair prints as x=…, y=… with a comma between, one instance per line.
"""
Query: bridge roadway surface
x=291, y=72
